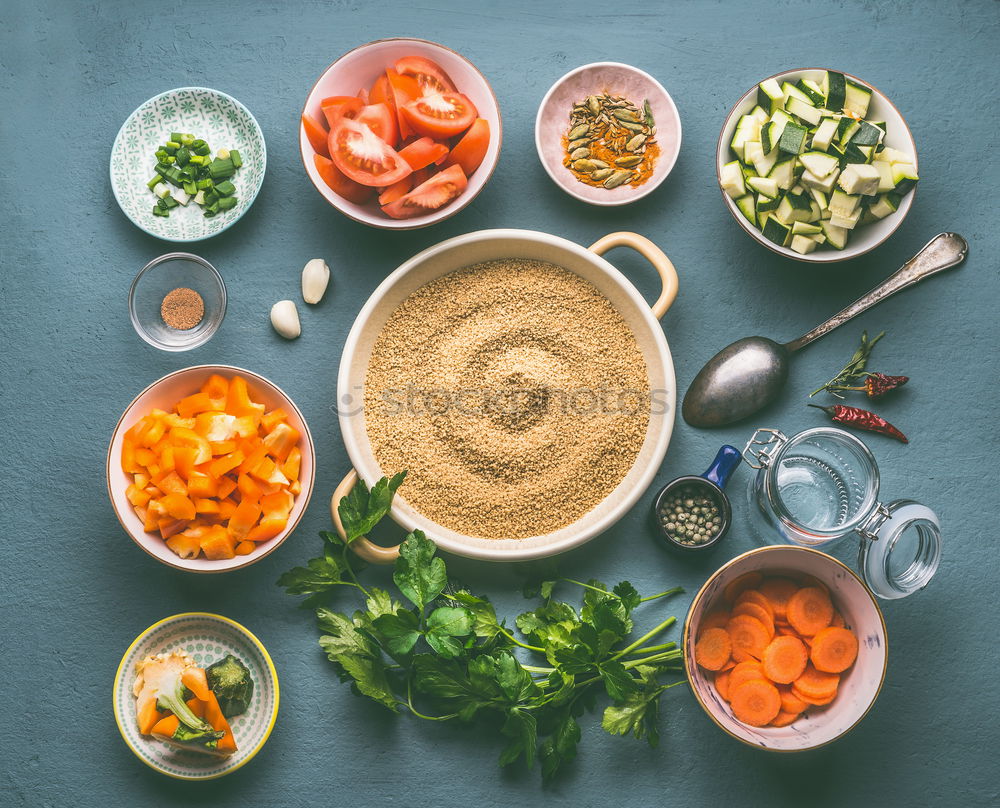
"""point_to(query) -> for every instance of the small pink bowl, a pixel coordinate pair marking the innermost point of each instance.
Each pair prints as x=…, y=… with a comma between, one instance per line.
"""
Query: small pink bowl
x=359, y=68
x=859, y=685
x=618, y=79
x=164, y=393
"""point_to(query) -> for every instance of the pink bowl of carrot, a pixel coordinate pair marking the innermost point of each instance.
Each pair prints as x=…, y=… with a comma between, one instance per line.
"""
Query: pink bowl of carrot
x=785, y=648
x=210, y=468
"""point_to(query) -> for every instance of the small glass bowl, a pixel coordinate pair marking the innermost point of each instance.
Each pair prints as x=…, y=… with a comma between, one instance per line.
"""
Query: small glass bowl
x=161, y=276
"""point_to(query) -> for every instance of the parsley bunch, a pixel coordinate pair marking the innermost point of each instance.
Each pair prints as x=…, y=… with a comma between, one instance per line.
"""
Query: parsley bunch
x=446, y=650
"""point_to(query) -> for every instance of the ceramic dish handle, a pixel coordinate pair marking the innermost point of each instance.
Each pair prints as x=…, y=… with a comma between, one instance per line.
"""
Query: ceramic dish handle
x=653, y=254
x=362, y=546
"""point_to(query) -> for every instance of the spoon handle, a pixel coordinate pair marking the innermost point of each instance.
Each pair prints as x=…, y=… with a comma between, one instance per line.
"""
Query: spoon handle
x=942, y=252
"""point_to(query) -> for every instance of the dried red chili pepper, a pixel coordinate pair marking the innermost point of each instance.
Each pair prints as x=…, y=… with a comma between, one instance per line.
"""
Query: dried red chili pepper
x=876, y=384
x=862, y=419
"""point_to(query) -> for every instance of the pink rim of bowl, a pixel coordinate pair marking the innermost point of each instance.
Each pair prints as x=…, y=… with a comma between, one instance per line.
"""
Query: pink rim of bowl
x=165, y=393
x=358, y=68
x=552, y=122
x=859, y=684
x=866, y=237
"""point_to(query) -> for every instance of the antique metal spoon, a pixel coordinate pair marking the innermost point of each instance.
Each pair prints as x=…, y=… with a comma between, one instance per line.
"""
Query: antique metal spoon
x=749, y=374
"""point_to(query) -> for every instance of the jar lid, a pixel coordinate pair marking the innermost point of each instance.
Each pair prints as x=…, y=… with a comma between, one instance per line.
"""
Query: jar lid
x=900, y=548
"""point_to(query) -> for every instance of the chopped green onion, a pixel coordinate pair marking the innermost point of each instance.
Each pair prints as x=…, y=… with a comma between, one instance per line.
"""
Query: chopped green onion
x=183, y=155
x=222, y=154
x=221, y=169
x=170, y=202
x=204, y=184
x=171, y=148
x=225, y=188
x=187, y=140
x=227, y=202
x=234, y=155
x=154, y=182
x=203, y=149
x=158, y=211
x=176, y=137
x=191, y=188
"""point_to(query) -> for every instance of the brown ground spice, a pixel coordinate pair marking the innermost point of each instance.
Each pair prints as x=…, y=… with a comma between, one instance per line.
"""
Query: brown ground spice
x=182, y=308
x=514, y=394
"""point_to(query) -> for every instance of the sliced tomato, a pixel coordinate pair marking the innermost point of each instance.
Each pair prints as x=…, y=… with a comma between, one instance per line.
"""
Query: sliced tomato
x=435, y=193
x=440, y=116
x=364, y=157
x=341, y=185
x=316, y=133
x=429, y=75
x=396, y=191
x=471, y=149
x=404, y=89
x=381, y=92
x=340, y=106
x=381, y=120
x=422, y=152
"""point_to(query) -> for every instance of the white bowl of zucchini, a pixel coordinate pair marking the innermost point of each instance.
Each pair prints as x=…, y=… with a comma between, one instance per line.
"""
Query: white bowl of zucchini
x=817, y=165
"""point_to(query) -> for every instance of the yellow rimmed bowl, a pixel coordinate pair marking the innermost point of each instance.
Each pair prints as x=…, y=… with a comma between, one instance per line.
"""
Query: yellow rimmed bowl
x=205, y=638
x=163, y=394
x=859, y=685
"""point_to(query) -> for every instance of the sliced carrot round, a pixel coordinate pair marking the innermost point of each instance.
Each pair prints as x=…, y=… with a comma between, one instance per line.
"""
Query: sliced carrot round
x=778, y=591
x=809, y=610
x=714, y=619
x=722, y=683
x=837, y=619
x=811, y=701
x=713, y=648
x=755, y=703
x=834, y=650
x=783, y=719
x=754, y=596
x=790, y=703
x=814, y=684
x=737, y=585
x=749, y=637
x=746, y=672
x=755, y=610
x=785, y=659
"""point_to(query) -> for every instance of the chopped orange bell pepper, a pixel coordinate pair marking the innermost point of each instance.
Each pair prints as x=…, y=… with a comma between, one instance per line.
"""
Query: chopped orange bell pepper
x=172, y=420
x=245, y=426
x=168, y=526
x=238, y=401
x=267, y=472
x=277, y=504
x=295, y=487
x=214, y=426
x=197, y=403
x=221, y=447
x=187, y=544
x=169, y=482
x=226, y=509
x=226, y=486
x=137, y=496
x=129, y=464
x=181, y=436
x=290, y=468
x=248, y=488
x=141, y=480
x=151, y=434
x=184, y=461
x=253, y=459
x=144, y=457
x=217, y=544
x=281, y=440
x=201, y=485
x=166, y=458
x=207, y=505
x=226, y=463
x=273, y=418
x=244, y=518
x=245, y=547
x=178, y=506
x=269, y=527
x=216, y=387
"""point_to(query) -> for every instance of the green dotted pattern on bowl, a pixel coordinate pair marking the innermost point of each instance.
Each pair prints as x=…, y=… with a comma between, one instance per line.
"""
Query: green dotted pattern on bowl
x=205, y=638
x=215, y=117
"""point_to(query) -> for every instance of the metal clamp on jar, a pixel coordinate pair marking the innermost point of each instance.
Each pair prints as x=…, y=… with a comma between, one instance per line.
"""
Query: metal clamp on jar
x=821, y=485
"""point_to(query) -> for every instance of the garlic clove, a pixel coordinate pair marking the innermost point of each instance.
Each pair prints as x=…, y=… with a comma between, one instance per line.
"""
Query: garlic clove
x=285, y=319
x=315, y=277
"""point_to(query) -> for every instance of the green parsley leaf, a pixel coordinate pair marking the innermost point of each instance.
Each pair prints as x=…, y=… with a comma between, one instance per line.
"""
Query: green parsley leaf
x=444, y=626
x=362, y=509
x=522, y=729
x=398, y=632
x=618, y=682
x=637, y=712
x=484, y=617
x=627, y=595
x=560, y=747
x=419, y=575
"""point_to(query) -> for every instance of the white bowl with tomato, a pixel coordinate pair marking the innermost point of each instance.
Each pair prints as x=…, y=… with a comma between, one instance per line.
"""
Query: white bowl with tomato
x=400, y=133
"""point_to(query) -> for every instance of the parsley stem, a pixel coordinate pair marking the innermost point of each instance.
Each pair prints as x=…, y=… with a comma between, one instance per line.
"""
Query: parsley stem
x=417, y=713
x=649, y=649
x=350, y=571
x=588, y=586
x=648, y=635
x=536, y=669
x=666, y=656
x=516, y=641
x=675, y=591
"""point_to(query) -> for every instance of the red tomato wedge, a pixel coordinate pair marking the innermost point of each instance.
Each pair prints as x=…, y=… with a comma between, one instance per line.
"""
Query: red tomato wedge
x=340, y=106
x=440, y=116
x=422, y=152
x=404, y=89
x=381, y=120
x=429, y=75
x=381, y=92
x=471, y=149
x=364, y=157
x=341, y=185
x=396, y=191
x=317, y=134
x=435, y=193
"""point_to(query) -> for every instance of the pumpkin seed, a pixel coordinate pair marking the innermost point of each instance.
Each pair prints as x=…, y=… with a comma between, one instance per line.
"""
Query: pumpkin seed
x=635, y=142
x=628, y=162
x=617, y=179
x=584, y=166
x=579, y=131
x=602, y=174
x=579, y=154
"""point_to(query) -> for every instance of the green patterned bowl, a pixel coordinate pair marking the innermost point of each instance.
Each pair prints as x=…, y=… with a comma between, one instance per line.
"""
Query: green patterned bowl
x=204, y=637
x=217, y=118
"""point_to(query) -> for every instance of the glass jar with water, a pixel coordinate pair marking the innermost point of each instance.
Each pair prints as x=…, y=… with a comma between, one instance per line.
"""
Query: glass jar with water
x=822, y=485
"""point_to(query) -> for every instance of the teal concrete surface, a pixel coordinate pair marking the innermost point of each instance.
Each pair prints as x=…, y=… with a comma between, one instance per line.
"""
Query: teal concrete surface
x=76, y=591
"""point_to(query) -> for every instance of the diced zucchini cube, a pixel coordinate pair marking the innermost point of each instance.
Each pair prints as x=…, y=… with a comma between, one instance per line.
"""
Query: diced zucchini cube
x=769, y=96
x=848, y=222
x=835, y=236
x=803, y=244
x=834, y=87
x=895, y=156
x=819, y=164
x=731, y=179
x=775, y=231
x=859, y=179
x=903, y=171
x=793, y=138
x=764, y=185
x=803, y=110
x=813, y=91
x=857, y=99
x=821, y=184
x=885, y=205
x=842, y=204
x=868, y=135
x=745, y=204
x=885, y=182
x=783, y=173
x=825, y=133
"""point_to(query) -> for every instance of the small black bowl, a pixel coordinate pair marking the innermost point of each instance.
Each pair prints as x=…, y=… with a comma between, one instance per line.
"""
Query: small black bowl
x=706, y=488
